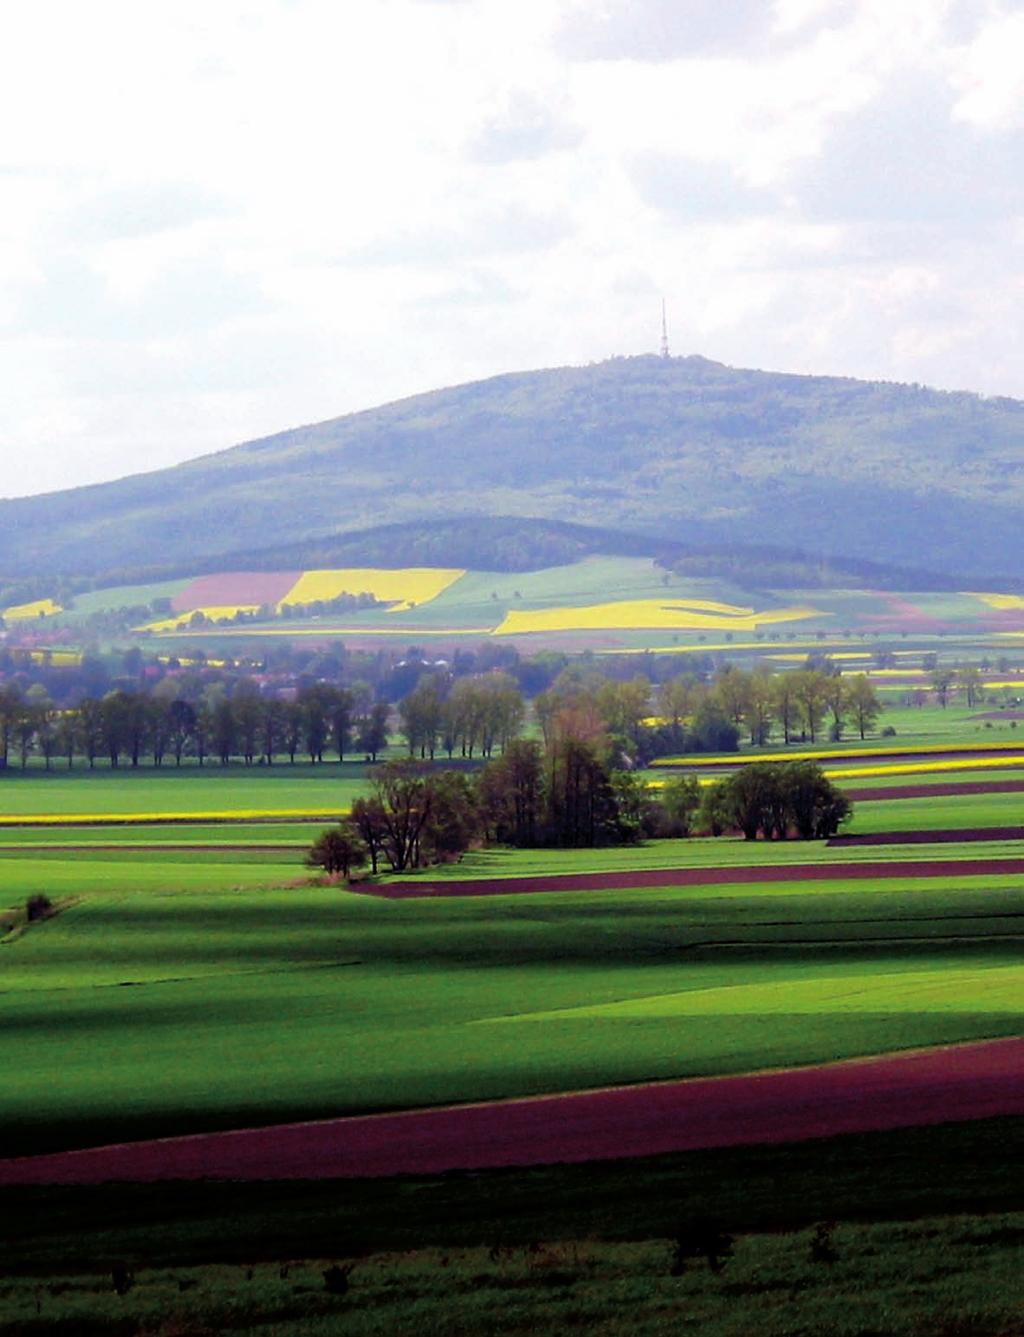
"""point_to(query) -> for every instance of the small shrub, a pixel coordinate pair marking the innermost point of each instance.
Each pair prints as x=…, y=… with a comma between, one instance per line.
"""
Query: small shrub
x=889, y=731
x=702, y=1237
x=336, y=1278
x=37, y=907
x=121, y=1278
x=822, y=1248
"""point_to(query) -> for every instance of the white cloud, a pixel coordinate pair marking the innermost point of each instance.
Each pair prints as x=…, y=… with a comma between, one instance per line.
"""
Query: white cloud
x=990, y=76
x=217, y=221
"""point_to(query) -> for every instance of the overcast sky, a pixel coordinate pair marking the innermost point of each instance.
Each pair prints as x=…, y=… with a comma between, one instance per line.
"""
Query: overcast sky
x=222, y=219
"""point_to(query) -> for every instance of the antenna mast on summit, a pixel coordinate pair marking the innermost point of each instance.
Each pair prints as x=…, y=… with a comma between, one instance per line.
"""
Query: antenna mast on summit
x=664, y=331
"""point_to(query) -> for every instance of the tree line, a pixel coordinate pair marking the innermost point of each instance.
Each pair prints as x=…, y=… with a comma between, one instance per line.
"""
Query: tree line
x=123, y=727
x=472, y=716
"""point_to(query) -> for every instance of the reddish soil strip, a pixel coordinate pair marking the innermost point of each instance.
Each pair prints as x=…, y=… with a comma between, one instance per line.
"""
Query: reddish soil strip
x=946, y=1085
x=945, y=789
x=999, y=715
x=930, y=837
x=697, y=877
x=235, y=587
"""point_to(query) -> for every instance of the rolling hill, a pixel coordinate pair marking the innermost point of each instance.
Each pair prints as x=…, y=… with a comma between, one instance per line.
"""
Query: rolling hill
x=646, y=454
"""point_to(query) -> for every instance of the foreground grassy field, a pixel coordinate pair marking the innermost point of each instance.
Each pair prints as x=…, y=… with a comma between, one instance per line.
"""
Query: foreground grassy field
x=893, y=1279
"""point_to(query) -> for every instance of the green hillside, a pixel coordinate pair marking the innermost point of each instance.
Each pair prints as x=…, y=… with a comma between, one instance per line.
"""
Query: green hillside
x=678, y=451
x=602, y=602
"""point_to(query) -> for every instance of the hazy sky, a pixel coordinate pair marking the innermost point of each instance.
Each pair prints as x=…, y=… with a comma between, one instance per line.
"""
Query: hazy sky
x=221, y=219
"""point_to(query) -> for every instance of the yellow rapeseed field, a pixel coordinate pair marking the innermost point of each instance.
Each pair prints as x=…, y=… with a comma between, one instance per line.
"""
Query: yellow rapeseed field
x=325, y=629
x=58, y=658
x=212, y=612
x=406, y=588
x=884, y=672
x=927, y=767
x=839, y=654
x=841, y=754
x=706, y=647
x=38, y=608
x=1000, y=601
x=638, y=614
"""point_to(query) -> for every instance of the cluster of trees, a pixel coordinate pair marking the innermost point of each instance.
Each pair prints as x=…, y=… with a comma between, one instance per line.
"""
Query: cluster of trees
x=127, y=726
x=776, y=801
x=471, y=715
x=574, y=787
x=688, y=713
x=803, y=704
x=564, y=794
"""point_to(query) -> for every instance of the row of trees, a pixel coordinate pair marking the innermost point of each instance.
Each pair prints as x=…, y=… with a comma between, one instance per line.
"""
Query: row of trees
x=804, y=703
x=471, y=716
x=690, y=714
x=125, y=727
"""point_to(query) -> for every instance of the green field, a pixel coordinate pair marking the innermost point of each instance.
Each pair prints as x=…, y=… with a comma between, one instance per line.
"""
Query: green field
x=354, y=1003
x=169, y=791
x=142, y=836
x=197, y=977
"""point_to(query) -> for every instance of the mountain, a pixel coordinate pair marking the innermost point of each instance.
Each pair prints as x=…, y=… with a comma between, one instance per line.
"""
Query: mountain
x=682, y=452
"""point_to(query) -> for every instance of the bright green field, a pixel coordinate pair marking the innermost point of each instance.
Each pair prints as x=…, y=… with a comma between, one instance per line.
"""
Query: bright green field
x=195, y=988
x=136, y=836
x=251, y=1005
x=961, y=812
x=188, y=790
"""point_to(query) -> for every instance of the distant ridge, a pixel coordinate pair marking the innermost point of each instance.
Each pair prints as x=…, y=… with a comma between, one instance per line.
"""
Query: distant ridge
x=654, y=454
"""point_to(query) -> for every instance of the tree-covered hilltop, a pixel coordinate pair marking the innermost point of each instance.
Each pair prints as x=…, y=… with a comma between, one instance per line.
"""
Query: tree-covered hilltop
x=680, y=450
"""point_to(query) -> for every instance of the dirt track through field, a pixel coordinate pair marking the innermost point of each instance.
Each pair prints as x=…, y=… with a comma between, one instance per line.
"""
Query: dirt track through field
x=695, y=877
x=951, y=836
x=946, y=1085
x=945, y=789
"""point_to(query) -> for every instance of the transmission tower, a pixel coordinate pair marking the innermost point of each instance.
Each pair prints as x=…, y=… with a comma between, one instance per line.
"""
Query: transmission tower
x=664, y=331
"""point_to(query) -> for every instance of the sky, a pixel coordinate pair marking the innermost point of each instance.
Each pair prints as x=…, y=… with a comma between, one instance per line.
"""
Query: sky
x=218, y=221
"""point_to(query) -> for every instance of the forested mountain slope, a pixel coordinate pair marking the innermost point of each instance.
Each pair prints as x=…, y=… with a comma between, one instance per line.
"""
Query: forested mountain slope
x=682, y=449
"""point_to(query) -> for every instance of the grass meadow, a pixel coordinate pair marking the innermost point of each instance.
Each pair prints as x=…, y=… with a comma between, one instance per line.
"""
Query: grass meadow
x=179, y=991
x=963, y=1267
x=198, y=977
x=169, y=791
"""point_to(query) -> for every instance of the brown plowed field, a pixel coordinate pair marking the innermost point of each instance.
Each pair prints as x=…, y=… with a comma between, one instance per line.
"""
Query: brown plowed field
x=946, y=789
x=950, y=837
x=946, y=1085
x=234, y=587
x=696, y=877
